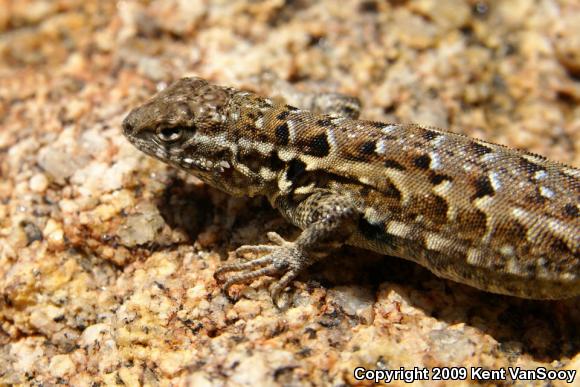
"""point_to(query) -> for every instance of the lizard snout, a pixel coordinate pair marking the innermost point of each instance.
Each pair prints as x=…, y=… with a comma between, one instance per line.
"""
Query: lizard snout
x=128, y=126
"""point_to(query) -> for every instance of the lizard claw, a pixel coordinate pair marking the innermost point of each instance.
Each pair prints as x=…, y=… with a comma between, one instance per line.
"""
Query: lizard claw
x=284, y=259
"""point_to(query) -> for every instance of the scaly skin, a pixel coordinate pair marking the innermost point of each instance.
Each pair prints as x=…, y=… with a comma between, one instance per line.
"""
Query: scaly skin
x=485, y=215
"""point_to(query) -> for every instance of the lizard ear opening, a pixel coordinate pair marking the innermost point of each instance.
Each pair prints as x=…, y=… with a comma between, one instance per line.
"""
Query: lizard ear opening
x=170, y=134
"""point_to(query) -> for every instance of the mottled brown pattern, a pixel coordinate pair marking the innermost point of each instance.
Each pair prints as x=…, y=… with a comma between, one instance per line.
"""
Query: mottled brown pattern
x=495, y=218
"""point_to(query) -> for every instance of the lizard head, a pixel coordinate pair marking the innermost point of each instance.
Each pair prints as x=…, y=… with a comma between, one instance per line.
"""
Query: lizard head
x=185, y=125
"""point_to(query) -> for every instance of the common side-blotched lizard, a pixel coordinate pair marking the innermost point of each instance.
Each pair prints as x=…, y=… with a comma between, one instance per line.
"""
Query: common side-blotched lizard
x=495, y=218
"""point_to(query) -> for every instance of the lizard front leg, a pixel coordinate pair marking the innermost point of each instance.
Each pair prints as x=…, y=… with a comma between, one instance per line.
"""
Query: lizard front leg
x=327, y=220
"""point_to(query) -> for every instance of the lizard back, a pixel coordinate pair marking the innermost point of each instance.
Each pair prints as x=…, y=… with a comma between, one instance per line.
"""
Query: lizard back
x=466, y=209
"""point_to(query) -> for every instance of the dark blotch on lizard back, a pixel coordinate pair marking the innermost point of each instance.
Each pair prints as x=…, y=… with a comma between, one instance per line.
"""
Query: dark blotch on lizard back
x=317, y=146
x=389, y=163
x=530, y=167
x=433, y=207
x=483, y=187
x=473, y=223
x=283, y=115
x=536, y=197
x=282, y=134
x=480, y=149
x=571, y=210
x=439, y=207
x=390, y=190
x=430, y=135
x=326, y=122
x=368, y=148
x=422, y=161
x=365, y=191
x=263, y=137
x=437, y=178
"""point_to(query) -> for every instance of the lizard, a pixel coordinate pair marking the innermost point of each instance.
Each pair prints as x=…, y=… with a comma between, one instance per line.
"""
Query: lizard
x=498, y=219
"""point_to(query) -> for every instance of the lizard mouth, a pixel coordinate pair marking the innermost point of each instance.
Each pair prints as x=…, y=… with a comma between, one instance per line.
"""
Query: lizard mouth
x=202, y=164
x=150, y=148
x=189, y=164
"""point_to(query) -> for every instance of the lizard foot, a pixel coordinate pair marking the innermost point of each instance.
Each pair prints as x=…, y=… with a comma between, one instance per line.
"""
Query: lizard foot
x=284, y=258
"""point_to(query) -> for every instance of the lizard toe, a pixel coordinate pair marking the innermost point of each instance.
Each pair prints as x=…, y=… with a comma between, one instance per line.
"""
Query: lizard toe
x=253, y=249
x=280, y=285
x=248, y=276
x=274, y=237
x=242, y=266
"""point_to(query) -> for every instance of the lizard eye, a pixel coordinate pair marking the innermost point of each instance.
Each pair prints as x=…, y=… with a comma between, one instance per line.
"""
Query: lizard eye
x=169, y=134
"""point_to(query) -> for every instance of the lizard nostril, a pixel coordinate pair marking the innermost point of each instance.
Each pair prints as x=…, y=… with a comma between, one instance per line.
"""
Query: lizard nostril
x=127, y=126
